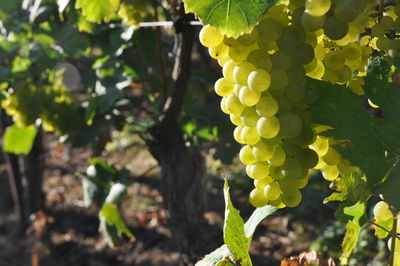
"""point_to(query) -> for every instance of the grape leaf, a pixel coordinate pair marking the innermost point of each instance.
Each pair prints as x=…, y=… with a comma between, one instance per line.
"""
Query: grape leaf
x=234, y=235
x=220, y=256
x=387, y=224
x=98, y=10
x=256, y=217
x=353, y=229
x=374, y=143
x=109, y=212
x=231, y=17
x=19, y=139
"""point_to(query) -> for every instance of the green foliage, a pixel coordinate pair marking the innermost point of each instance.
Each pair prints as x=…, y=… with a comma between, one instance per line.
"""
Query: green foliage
x=19, y=139
x=237, y=235
x=367, y=134
x=110, y=213
x=231, y=17
x=98, y=10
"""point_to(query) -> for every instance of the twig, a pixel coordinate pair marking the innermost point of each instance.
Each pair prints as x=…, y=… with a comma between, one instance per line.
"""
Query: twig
x=167, y=24
x=161, y=64
x=393, y=246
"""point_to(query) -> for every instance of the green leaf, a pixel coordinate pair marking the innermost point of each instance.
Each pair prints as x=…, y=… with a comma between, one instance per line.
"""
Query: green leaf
x=98, y=10
x=374, y=143
x=356, y=211
x=110, y=213
x=234, y=235
x=19, y=139
x=387, y=224
x=350, y=240
x=231, y=17
x=220, y=256
x=256, y=217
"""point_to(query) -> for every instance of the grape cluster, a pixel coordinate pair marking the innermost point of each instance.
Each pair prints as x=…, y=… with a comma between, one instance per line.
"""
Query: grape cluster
x=264, y=85
x=383, y=216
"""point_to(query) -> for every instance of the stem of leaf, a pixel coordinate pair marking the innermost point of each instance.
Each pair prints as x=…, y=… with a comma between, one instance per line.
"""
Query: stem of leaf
x=393, y=245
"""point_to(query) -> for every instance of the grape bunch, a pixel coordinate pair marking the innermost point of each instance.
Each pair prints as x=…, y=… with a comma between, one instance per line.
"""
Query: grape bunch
x=264, y=86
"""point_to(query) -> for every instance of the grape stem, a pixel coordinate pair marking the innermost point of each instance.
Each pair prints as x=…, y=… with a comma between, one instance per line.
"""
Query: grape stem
x=393, y=244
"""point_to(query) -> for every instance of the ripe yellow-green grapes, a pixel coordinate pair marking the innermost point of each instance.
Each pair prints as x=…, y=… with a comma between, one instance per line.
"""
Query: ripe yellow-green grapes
x=264, y=85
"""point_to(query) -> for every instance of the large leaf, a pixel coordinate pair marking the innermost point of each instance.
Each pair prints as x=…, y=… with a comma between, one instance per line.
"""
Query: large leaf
x=234, y=235
x=231, y=17
x=98, y=10
x=19, y=139
x=374, y=143
x=256, y=217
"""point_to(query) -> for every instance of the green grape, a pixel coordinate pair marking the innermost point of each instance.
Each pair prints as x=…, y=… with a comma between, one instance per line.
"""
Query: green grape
x=290, y=125
x=257, y=198
x=291, y=148
x=237, y=135
x=267, y=46
x=246, y=155
x=348, y=10
x=292, y=169
x=272, y=191
x=278, y=12
x=236, y=120
x=344, y=74
x=318, y=72
x=259, y=171
x=382, y=43
x=353, y=64
x=281, y=60
x=223, y=105
x=335, y=29
x=290, y=38
x=378, y=30
x=259, y=183
x=291, y=198
x=334, y=60
x=307, y=158
x=320, y=52
x=233, y=105
x=241, y=72
x=269, y=29
x=248, y=97
x=296, y=75
x=303, y=54
x=318, y=7
x=219, y=51
x=332, y=157
x=268, y=127
x=382, y=212
x=260, y=59
x=387, y=22
x=296, y=17
x=210, y=37
x=330, y=172
x=312, y=23
x=302, y=183
x=306, y=136
x=267, y=106
x=296, y=93
x=263, y=151
x=352, y=51
x=284, y=105
x=320, y=146
x=330, y=75
x=250, y=135
x=238, y=53
x=223, y=87
x=276, y=173
x=227, y=70
x=249, y=117
x=248, y=39
x=236, y=89
x=278, y=158
x=259, y=80
x=279, y=81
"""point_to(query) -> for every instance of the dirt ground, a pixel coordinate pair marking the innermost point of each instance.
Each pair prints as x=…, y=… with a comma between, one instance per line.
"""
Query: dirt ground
x=70, y=232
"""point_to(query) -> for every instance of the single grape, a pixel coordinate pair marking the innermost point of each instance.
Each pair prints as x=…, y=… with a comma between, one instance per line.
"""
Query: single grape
x=246, y=155
x=263, y=151
x=291, y=198
x=241, y=72
x=382, y=211
x=227, y=70
x=237, y=135
x=223, y=87
x=250, y=135
x=249, y=117
x=260, y=59
x=233, y=105
x=317, y=7
x=259, y=80
x=248, y=97
x=267, y=106
x=272, y=191
x=292, y=169
x=210, y=37
x=268, y=127
x=257, y=198
x=312, y=23
x=278, y=158
x=335, y=29
x=269, y=29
